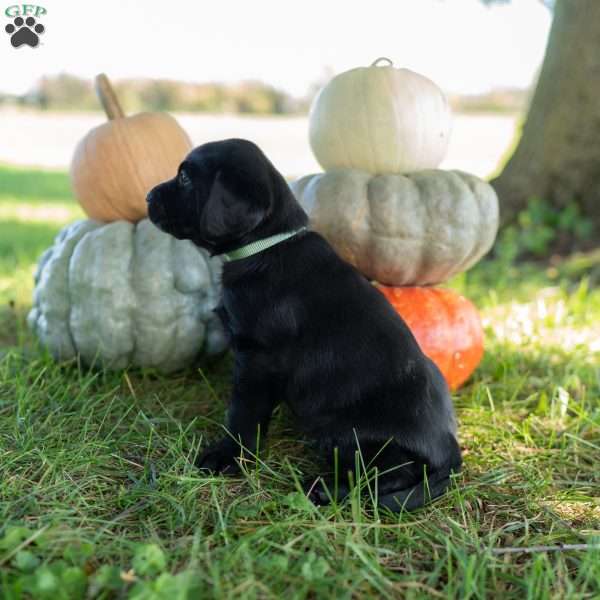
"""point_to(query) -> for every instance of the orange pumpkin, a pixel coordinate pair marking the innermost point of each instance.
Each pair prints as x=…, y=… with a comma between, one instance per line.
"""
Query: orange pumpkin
x=117, y=163
x=445, y=324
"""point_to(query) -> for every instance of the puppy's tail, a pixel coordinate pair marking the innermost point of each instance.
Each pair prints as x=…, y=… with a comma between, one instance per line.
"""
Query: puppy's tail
x=417, y=496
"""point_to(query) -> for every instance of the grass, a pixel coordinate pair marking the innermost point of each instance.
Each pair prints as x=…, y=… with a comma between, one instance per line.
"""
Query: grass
x=99, y=498
x=34, y=205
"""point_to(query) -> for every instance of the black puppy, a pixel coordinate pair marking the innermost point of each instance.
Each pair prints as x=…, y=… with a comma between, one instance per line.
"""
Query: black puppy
x=308, y=329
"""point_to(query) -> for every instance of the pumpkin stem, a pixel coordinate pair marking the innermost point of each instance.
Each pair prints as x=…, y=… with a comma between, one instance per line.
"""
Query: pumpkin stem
x=375, y=63
x=108, y=98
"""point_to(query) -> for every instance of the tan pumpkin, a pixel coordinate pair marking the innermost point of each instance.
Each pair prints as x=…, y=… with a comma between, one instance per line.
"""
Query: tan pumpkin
x=116, y=164
x=381, y=120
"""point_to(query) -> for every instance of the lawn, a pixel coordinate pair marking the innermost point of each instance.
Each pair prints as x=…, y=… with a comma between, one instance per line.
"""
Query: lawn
x=99, y=497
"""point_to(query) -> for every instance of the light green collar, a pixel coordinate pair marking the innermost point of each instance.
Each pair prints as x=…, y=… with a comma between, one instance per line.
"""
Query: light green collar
x=259, y=245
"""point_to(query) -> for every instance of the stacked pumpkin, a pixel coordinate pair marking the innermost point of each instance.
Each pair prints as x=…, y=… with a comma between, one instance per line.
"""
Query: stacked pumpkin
x=113, y=289
x=379, y=133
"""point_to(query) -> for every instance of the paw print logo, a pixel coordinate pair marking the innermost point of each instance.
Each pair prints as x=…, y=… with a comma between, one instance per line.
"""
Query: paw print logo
x=24, y=31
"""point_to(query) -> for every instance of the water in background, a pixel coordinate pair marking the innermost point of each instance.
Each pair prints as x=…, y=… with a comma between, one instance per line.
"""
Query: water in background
x=479, y=141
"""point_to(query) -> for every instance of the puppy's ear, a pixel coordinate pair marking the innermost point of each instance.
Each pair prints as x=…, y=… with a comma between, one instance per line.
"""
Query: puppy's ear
x=227, y=216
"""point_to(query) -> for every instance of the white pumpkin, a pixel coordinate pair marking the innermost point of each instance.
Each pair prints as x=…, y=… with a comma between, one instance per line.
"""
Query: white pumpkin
x=416, y=229
x=380, y=119
x=124, y=294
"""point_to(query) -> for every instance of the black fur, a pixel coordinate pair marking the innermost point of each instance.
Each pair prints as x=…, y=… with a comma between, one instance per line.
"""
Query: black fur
x=308, y=329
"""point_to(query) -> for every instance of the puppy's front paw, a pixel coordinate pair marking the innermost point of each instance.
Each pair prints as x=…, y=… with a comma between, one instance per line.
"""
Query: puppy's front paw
x=220, y=457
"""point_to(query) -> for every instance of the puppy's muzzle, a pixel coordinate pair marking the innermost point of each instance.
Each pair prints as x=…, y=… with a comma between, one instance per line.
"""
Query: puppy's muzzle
x=156, y=209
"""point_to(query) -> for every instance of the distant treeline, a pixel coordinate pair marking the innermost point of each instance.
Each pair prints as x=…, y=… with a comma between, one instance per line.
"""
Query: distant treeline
x=67, y=92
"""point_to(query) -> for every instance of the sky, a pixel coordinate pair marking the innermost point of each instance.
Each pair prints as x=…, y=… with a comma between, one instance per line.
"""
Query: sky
x=462, y=45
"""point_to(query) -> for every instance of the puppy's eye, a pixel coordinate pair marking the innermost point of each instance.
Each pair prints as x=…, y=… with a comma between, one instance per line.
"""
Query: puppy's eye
x=183, y=178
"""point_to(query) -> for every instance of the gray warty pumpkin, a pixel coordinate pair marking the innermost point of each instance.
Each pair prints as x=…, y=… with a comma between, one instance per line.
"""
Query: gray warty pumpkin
x=415, y=229
x=124, y=294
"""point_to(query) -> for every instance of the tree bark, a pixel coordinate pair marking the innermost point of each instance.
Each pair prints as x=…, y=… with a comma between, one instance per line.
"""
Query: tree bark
x=558, y=156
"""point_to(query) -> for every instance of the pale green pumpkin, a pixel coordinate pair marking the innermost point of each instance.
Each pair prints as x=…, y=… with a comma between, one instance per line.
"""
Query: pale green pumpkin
x=416, y=229
x=124, y=294
x=380, y=119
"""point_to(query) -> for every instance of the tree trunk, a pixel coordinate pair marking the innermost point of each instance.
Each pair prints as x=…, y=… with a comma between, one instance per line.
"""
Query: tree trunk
x=558, y=157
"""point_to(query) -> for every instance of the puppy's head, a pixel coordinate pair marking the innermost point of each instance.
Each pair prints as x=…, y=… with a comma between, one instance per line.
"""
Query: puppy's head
x=225, y=194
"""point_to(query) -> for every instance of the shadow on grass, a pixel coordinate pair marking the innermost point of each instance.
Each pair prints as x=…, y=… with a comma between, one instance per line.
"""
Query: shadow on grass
x=108, y=457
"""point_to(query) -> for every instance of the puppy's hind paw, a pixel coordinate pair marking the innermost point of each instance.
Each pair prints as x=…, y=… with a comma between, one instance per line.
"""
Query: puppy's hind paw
x=221, y=457
x=322, y=491
x=316, y=492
